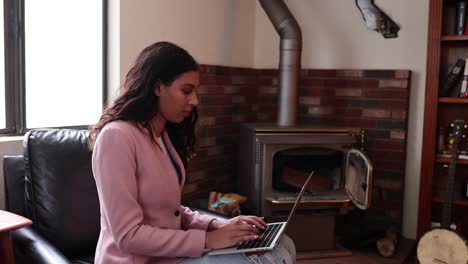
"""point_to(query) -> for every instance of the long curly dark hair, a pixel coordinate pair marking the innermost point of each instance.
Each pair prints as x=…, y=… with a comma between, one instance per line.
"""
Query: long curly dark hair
x=160, y=62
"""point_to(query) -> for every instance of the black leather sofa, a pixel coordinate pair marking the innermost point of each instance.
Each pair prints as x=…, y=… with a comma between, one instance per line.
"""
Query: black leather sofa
x=52, y=184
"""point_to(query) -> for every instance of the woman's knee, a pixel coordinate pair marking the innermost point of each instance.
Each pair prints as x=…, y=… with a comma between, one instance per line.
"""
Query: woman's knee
x=288, y=243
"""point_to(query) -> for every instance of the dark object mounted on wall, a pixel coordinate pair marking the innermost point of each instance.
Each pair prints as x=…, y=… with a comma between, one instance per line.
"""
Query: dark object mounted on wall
x=377, y=20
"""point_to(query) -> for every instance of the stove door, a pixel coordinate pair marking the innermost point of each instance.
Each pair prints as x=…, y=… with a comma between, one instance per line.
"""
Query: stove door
x=358, y=177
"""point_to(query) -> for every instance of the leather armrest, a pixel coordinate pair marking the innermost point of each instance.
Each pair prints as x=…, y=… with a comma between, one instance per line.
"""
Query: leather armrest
x=31, y=247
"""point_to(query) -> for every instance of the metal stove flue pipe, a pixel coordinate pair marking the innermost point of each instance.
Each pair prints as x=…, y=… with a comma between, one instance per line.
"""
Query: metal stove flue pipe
x=290, y=58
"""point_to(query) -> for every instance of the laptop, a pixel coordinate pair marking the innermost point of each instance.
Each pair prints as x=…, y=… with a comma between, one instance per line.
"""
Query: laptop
x=269, y=237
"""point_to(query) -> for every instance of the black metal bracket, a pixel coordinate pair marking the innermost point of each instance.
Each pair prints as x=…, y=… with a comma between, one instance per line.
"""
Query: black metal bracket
x=376, y=19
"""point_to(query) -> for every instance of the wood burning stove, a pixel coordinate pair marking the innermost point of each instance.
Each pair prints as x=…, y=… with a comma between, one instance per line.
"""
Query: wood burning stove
x=274, y=161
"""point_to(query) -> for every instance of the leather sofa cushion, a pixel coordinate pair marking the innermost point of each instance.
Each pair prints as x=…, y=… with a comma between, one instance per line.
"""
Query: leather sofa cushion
x=61, y=196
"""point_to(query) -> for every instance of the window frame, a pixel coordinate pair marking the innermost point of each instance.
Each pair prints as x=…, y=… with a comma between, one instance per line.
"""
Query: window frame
x=15, y=88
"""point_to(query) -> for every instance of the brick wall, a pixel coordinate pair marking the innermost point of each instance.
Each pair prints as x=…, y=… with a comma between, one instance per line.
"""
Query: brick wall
x=374, y=100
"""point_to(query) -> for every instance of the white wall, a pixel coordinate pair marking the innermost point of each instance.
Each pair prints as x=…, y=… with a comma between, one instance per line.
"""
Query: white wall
x=335, y=36
x=214, y=31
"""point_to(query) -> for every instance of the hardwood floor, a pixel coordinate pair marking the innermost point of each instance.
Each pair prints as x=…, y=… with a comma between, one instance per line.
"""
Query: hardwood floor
x=405, y=254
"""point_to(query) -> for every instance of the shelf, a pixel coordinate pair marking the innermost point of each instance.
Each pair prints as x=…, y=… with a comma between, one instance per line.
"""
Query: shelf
x=450, y=38
x=447, y=160
x=440, y=200
x=453, y=100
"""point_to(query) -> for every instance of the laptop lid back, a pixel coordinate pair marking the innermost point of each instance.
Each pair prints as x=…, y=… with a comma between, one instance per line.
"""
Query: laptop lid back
x=298, y=199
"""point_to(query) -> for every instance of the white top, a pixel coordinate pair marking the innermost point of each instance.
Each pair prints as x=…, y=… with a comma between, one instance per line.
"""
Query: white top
x=164, y=149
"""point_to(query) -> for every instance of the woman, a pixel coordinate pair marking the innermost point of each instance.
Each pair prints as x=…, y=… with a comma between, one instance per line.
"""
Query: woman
x=141, y=147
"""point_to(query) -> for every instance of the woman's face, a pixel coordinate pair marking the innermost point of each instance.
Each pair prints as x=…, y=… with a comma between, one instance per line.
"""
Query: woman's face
x=177, y=100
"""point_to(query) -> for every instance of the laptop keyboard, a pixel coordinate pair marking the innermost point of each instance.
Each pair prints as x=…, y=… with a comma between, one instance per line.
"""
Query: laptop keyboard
x=265, y=239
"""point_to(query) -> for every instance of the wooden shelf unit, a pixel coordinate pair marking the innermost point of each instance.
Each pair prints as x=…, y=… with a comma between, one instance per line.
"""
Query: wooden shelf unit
x=443, y=50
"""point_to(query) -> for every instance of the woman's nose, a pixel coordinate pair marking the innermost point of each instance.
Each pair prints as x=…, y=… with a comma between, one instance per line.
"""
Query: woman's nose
x=193, y=99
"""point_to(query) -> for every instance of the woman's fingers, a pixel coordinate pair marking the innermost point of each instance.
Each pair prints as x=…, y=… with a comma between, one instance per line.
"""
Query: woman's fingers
x=253, y=220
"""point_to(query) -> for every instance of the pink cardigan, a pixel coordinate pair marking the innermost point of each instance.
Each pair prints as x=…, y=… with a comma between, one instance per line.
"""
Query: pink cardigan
x=142, y=220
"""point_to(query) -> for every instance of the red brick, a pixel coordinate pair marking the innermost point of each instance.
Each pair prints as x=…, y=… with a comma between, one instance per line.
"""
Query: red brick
x=251, y=99
x=348, y=112
x=230, y=90
x=393, y=84
x=386, y=94
x=237, y=99
x=208, y=141
x=321, y=92
x=215, y=90
x=215, y=79
x=399, y=114
x=213, y=110
x=268, y=71
x=308, y=100
x=220, y=100
x=335, y=83
x=265, y=81
x=334, y=102
x=364, y=83
x=385, y=154
x=348, y=92
x=398, y=134
x=189, y=188
x=320, y=111
x=249, y=71
x=237, y=118
x=312, y=82
x=327, y=121
x=350, y=73
x=390, y=184
x=206, y=121
x=361, y=123
x=196, y=175
x=221, y=120
x=267, y=108
x=243, y=80
x=214, y=151
x=219, y=130
x=402, y=74
x=389, y=165
x=203, y=68
x=376, y=113
x=247, y=90
x=393, y=104
x=264, y=117
x=320, y=73
x=268, y=90
x=388, y=144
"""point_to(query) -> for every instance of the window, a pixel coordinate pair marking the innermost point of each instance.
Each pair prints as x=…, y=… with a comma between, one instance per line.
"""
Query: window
x=55, y=64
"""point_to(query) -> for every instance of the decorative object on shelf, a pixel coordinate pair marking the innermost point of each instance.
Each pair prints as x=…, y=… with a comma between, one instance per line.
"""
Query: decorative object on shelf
x=441, y=140
x=446, y=87
x=377, y=20
x=463, y=90
x=461, y=17
x=445, y=245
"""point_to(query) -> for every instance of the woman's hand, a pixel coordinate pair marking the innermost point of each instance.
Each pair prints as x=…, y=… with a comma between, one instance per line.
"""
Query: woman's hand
x=231, y=233
x=258, y=222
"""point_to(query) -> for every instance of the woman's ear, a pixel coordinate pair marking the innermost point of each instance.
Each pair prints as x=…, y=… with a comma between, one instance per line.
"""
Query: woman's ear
x=157, y=88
